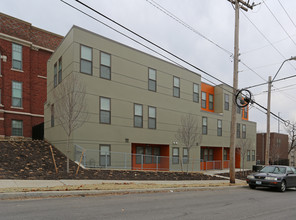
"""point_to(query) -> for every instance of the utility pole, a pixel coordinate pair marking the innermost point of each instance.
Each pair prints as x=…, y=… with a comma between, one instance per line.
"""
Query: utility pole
x=244, y=5
x=268, y=123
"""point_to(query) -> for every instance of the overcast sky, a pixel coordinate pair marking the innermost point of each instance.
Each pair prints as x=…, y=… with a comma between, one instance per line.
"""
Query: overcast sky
x=267, y=38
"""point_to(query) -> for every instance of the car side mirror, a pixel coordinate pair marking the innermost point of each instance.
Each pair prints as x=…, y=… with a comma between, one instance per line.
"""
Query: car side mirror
x=290, y=172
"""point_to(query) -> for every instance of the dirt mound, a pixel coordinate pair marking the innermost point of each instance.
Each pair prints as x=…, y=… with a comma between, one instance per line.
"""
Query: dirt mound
x=33, y=160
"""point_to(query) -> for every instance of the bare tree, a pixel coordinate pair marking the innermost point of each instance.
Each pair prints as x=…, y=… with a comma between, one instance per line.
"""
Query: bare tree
x=291, y=130
x=245, y=146
x=70, y=106
x=188, y=133
x=274, y=153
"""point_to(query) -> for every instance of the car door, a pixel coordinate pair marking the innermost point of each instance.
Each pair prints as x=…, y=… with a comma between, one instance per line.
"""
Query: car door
x=294, y=176
x=290, y=178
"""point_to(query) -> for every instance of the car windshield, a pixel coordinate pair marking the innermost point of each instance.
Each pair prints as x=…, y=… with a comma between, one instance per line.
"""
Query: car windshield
x=275, y=170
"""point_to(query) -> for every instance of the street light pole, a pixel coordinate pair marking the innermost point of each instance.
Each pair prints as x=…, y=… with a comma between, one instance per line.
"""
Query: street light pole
x=268, y=123
x=267, y=148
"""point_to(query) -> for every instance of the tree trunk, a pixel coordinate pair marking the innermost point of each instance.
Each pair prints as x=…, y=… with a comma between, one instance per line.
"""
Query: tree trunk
x=68, y=169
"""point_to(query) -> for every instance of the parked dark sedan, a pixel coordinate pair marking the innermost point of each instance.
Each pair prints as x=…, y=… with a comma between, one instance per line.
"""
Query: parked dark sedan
x=276, y=176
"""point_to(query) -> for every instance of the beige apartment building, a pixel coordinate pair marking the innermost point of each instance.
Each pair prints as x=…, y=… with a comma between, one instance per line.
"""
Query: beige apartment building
x=134, y=103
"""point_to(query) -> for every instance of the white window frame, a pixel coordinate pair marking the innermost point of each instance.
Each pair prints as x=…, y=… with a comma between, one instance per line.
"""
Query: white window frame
x=138, y=115
x=152, y=79
x=151, y=117
x=106, y=110
x=14, y=97
x=14, y=53
x=195, y=92
x=105, y=64
x=13, y=128
x=85, y=59
x=176, y=87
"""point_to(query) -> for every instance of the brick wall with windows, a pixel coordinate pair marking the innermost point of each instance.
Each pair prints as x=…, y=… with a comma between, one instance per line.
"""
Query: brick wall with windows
x=23, y=74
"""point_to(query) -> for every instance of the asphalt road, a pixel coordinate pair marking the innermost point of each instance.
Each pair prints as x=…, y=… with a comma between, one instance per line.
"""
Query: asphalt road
x=227, y=203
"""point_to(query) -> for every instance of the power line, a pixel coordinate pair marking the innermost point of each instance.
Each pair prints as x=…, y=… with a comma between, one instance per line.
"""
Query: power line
x=261, y=84
x=267, y=45
x=170, y=14
x=279, y=22
x=287, y=14
x=266, y=38
x=253, y=71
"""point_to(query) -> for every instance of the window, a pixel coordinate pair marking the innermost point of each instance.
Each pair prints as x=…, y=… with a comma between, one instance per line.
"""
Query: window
x=17, y=51
x=105, y=156
x=195, y=92
x=211, y=154
x=86, y=60
x=204, y=125
x=244, y=131
x=151, y=117
x=175, y=155
x=52, y=115
x=226, y=102
x=237, y=130
x=148, y=155
x=253, y=155
x=176, y=90
x=17, y=128
x=248, y=155
x=60, y=71
x=203, y=100
x=17, y=94
x=139, y=155
x=206, y=154
x=105, y=110
x=246, y=112
x=156, y=152
x=185, y=155
x=152, y=79
x=219, y=127
x=224, y=154
x=55, y=75
x=238, y=110
x=211, y=102
x=138, y=116
x=105, y=66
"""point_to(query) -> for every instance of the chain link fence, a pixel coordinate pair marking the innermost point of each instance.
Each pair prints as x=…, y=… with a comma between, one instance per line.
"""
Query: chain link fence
x=92, y=158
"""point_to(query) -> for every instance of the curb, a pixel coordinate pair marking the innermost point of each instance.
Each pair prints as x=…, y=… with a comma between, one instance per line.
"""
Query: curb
x=83, y=193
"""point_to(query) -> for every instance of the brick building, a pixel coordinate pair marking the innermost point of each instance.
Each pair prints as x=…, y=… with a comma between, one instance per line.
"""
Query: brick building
x=278, y=152
x=24, y=51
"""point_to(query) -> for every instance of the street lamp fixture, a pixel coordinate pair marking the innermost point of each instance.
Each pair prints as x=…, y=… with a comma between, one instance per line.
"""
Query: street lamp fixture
x=292, y=58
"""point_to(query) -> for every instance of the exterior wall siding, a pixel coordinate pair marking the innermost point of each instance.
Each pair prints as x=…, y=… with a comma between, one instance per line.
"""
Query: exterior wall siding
x=129, y=85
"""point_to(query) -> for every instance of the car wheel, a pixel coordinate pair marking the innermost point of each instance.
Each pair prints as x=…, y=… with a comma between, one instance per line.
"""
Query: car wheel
x=252, y=186
x=283, y=186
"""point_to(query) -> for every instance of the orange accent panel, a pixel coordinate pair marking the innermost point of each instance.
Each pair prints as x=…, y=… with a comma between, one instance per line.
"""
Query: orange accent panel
x=163, y=163
x=208, y=89
x=218, y=153
x=243, y=114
